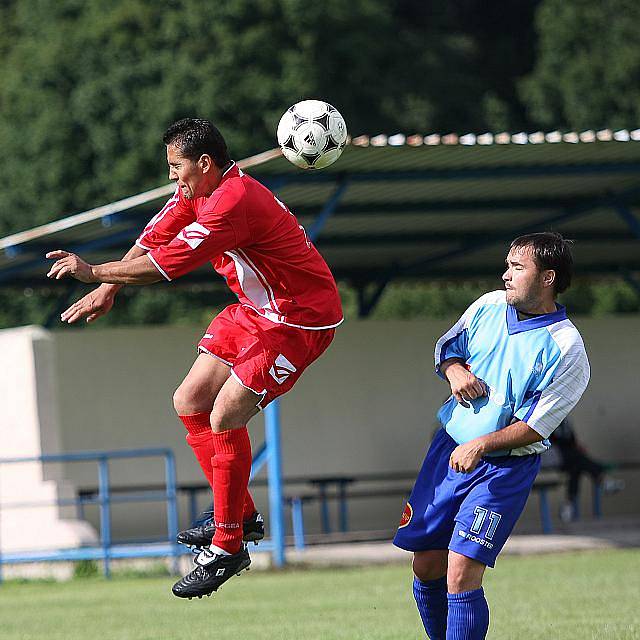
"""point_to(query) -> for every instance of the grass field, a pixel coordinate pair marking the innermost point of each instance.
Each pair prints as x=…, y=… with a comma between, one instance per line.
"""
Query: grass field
x=555, y=597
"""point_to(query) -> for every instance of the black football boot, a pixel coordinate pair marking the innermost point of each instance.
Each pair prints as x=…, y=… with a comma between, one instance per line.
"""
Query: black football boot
x=212, y=570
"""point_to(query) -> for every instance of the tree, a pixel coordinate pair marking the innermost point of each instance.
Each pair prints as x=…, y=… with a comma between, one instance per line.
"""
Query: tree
x=89, y=87
x=587, y=66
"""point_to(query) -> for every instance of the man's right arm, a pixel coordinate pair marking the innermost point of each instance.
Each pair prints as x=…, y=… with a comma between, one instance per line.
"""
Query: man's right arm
x=98, y=302
x=464, y=385
x=451, y=355
x=160, y=230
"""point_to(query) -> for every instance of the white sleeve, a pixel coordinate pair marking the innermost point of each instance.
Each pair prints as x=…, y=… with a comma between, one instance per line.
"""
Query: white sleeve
x=553, y=404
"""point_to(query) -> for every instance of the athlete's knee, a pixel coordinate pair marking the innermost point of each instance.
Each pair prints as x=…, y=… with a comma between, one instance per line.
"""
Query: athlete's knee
x=227, y=417
x=464, y=574
x=189, y=399
x=233, y=408
x=429, y=565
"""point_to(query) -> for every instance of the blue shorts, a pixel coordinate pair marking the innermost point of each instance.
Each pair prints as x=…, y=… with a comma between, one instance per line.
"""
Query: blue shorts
x=469, y=513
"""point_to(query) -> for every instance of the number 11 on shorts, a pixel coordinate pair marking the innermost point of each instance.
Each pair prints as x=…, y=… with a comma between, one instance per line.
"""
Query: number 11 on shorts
x=480, y=516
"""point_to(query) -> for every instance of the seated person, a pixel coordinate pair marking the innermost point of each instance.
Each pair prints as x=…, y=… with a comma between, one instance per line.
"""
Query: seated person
x=574, y=461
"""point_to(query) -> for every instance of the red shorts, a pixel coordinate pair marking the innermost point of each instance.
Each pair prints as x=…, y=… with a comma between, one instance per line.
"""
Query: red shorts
x=265, y=357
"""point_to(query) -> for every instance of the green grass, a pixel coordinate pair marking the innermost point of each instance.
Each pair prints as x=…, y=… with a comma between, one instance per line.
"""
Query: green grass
x=553, y=597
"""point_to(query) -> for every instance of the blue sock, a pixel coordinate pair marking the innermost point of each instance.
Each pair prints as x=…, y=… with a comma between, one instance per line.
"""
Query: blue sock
x=431, y=598
x=468, y=617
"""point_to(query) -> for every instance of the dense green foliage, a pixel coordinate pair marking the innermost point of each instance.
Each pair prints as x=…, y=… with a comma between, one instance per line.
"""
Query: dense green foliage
x=163, y=304
x=88, y=87
x=587, y=66
x=367, y=603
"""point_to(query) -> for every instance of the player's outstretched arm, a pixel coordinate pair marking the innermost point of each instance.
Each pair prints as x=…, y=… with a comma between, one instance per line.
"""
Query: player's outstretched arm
x=94, y=305
x=138, y=271
x=464, y=385
x=98, y=302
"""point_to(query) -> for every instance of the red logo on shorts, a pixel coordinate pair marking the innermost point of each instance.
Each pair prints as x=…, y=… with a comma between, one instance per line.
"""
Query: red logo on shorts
x=407, y=514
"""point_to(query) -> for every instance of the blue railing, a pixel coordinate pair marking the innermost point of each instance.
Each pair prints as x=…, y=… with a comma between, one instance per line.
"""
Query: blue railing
x=106, y=551
x=269, y=455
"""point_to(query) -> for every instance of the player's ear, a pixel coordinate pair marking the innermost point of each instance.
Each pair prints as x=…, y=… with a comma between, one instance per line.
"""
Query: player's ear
x=205, y=162
x=548, y=277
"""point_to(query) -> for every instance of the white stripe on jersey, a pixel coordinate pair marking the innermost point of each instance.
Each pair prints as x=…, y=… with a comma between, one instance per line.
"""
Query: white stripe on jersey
x=158, y=267
x=253, y=283
x=493, y=297
x=569, y=380
x=169, y=205
x=263, y=278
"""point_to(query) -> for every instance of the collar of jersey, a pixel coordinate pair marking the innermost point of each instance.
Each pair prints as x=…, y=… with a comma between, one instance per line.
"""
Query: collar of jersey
x=230, y=172
x=518, y=326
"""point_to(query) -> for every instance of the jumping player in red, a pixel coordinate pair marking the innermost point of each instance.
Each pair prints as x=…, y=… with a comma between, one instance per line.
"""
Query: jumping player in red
x=253, y=351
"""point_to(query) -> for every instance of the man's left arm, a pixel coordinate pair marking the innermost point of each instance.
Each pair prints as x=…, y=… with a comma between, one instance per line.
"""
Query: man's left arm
x=537, y=418
x=465, y=457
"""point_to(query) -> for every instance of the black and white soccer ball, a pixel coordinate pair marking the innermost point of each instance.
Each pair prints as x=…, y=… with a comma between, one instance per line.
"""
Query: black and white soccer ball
x=312, y=134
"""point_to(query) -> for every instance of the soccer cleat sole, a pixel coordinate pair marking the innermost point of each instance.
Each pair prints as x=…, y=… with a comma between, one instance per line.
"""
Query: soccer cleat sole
x=254, y=537
x=243, y=567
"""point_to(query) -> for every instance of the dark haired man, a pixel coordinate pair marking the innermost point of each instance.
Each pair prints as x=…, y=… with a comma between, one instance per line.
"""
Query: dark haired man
x=253, y=351
x=516, y=366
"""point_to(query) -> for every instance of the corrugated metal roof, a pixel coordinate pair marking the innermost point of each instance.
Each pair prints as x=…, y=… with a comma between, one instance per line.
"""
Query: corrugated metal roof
x=412, y=206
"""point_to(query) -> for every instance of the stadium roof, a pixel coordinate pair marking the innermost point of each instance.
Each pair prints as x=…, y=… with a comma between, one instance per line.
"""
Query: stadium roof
x=411, y=207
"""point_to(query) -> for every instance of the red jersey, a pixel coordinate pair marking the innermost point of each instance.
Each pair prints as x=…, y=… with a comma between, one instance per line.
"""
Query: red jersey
x=255, y=243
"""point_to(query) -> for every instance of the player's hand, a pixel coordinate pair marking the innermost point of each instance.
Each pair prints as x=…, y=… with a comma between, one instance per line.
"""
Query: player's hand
x=69, y=264
x=94, y=305
x=465, y=457
x=464, y=385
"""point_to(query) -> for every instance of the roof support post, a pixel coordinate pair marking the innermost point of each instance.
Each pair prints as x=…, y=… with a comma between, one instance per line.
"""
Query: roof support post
x=628, y=216
x=367, y=303
x=633, y=281
x=328, y=210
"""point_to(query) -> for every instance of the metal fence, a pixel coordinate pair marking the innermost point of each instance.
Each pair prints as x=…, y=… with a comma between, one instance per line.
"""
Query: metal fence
x=107, y=550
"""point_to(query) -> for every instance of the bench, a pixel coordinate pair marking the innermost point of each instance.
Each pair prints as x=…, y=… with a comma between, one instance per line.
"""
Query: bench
x=325, y=489
x=338, y=488
x=343, y=488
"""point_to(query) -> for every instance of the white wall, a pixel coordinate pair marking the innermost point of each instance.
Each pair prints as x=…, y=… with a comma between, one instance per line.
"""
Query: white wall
x=29, y=427
x=366, y=406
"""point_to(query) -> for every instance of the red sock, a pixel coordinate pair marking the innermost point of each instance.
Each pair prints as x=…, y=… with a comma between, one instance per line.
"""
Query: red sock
x=231, y=467
x=200, y=439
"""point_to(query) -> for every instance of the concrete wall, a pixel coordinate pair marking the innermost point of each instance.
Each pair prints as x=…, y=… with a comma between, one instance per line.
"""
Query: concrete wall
x=367, y=406
x=29, y=427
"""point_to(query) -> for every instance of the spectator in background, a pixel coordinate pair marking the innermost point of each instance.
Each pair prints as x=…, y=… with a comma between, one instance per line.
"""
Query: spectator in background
x=574, y=461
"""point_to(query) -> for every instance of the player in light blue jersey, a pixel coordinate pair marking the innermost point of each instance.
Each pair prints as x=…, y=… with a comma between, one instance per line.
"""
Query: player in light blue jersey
x=516, y=366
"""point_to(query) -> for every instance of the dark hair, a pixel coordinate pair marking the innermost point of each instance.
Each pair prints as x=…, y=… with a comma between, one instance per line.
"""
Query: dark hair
x=550, y=251
x=194, y=137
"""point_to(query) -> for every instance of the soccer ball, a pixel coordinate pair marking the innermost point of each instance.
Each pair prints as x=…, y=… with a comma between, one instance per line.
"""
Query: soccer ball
x=312, y=134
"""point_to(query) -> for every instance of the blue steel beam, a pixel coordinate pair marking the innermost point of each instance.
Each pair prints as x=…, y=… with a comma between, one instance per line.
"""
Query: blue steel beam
x=628, y=216
x=471, y=247
x=274, y=466
x=471, y=173
x=328, y=210
x=453, y=206
x=572, y=213
x=91, y=245
x=633, y=281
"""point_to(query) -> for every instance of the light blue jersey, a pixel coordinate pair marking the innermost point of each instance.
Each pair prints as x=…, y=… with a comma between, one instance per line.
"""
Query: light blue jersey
x=536, y=370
